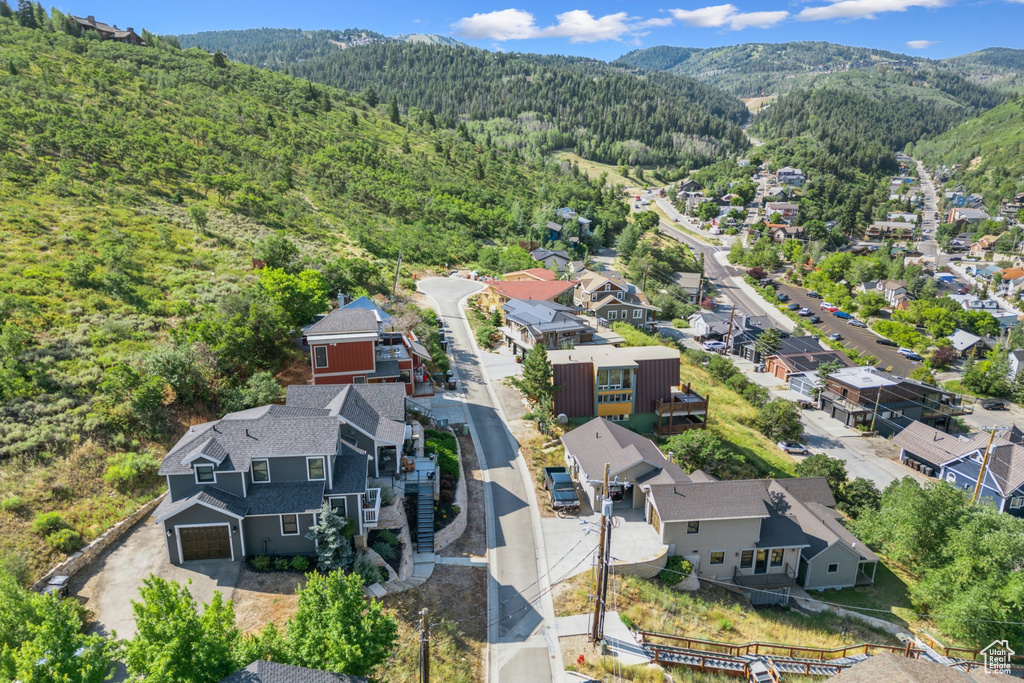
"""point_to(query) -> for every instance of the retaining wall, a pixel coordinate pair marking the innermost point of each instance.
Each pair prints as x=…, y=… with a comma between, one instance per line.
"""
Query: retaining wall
x=646, y=568
x=87, y=555
x=451, y=533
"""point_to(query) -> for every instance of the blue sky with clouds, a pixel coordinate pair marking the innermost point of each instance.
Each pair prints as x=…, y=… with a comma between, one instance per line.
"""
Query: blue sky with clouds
x=603, y=29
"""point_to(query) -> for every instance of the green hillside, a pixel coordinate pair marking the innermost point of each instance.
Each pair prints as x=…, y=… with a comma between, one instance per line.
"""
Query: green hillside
x=136, y=186
x=754, y=69
x=990, y=149
x=997, y=67
x=540, y=103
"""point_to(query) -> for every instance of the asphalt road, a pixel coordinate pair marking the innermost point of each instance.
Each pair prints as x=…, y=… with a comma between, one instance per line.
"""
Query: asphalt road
x=859, y=338
x=929, y=225
x=517, y=649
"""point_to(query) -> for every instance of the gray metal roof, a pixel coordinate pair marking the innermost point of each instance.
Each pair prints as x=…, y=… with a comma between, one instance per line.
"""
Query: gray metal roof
x=542, y=316
x=350, y=470
x=275, y=431
x=271, y=672
x=962, y=340
x=599, y=441
x=419, y=349
x=936, y=446
x=292, y=497
x=342, y=320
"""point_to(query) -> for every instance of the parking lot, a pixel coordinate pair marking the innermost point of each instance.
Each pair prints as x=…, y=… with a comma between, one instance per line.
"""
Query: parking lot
x=862, y=339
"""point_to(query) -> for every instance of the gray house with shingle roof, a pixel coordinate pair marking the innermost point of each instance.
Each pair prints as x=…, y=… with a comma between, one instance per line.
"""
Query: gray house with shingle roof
x=252, y=482
x=261, y=671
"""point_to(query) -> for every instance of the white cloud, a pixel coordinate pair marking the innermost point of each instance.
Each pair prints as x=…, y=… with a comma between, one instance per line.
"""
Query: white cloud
x=580, y=26
x=506, y=24
x=728, y=15
x=920, y=44
x=863, y=9
x=662, y=21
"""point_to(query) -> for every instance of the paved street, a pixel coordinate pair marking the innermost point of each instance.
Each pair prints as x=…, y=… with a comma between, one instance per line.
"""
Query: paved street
x=928, y=246
x=523, y=646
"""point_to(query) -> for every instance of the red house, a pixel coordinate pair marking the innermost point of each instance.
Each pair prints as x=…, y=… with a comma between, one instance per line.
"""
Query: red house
x=348, y=347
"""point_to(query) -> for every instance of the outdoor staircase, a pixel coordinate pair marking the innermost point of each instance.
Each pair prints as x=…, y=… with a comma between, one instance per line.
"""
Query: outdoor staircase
x=425, y=518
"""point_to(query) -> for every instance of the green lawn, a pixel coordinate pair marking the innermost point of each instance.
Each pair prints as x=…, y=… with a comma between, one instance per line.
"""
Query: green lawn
x=890, y=593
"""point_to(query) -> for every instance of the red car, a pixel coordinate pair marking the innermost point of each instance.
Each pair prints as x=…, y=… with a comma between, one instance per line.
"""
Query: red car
x=830, y=309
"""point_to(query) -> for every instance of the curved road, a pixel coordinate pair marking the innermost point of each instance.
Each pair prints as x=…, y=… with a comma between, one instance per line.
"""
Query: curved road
x=522, y=643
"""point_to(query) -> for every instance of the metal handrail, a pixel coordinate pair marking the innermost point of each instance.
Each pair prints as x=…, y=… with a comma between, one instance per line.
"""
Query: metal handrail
x=755, y=647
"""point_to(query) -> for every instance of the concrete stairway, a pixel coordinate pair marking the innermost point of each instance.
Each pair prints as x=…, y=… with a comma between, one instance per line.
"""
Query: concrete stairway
x=425, y=518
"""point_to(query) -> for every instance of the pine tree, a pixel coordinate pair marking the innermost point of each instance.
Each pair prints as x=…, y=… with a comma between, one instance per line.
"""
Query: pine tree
x=406, y=149
x=353, y=118
x=5, y=10
x=27, y=14
x=536, y=380
x=219, y=60
x=370, y=95
x=393, y=113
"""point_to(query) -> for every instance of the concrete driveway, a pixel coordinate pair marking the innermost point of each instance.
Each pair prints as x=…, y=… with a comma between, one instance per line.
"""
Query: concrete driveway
x=571, y=545
x=112, y=582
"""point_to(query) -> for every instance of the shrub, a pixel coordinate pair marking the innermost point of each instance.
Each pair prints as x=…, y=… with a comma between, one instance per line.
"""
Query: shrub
x=447, y=496
x=129, y=472
x=16, y=565
x=12, y=504
x=47, y=523
x=680, y=323
x=281, y=564
x=385, y=550
x=443, y=444
x=261, y=563
x=367, y=570
x=65, y=540
x=299, y=563
x=388, y=536
x=676, y=569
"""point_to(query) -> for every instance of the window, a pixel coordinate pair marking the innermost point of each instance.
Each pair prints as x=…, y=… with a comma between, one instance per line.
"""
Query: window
x=693, y=527
x=950, y=477
x=1016, y=502
x=320, y=356
x=289, y=525
x=204, y=474
x=717, y=557
x=638, y=313
x=777, y=558
x=833, y=568
x=613, y=315
x=617, y=418
x=746, y=559
x=614, y=398
x=315, y=468
x=361, y=379
x=260, y=470
x=338, y=504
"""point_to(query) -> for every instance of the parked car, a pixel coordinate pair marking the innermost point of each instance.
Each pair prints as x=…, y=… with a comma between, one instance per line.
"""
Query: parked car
x=804, y=312
x=886, y=342
x=993, y=404
x=835, y=337
x=814, y=295
x=826, y=306
x=855, y=323
x=793, y=306
x=904, y=351
x=914, y=357
x=842, y=314
x=714, y=345
x=814, y=320
x=792, y=447
x=782, y=296
x=562, y=488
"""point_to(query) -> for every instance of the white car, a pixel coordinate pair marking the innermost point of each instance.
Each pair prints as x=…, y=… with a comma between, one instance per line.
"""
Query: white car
x=792, y=447
x=714, y=345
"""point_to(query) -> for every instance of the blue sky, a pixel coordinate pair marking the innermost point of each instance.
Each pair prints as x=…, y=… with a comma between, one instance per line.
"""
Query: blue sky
x=602, y=29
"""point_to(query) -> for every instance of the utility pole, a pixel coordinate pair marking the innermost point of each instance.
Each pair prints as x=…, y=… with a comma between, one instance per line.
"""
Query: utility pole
x=878, y=397
x=984, y=461
x=728, y=335
x=597, y=627
x=398, y=270
x=424, y=647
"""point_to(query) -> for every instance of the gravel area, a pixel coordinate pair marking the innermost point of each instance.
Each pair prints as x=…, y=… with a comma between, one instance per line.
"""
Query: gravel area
x=473, y=542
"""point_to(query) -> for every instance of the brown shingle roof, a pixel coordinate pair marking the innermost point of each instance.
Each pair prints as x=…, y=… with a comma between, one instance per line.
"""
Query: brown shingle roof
x=886, y=667
x=535, y=290
x=928, y=442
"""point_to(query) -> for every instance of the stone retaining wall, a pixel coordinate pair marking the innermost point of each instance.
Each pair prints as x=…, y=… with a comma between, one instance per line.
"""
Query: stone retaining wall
x=812, y=605
x=87, y=555
x=451, y=533
x=646, y=568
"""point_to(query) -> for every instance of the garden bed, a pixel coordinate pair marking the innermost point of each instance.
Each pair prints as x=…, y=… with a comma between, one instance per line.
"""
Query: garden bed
x=444, y=513
x=386, y=543
x=280, y=563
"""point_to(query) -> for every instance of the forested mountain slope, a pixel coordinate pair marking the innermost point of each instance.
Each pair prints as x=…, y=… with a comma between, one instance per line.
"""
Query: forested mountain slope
x=989, y=148
x=760, y=68
x=547, y=102
x=136, y=186
x=997, y=67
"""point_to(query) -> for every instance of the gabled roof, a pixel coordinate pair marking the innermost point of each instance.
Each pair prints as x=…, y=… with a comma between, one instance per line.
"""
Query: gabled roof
x=590, y=282
x=962, y=340
x=695, y=501
x=687, y=280
x=535, y=274
x=262, y=671
x=544, y=254
x=804, y=362
x=536, y=290
x=791, y=345
x=208, y=497
x=368, y=304
x=599, y=441
x=887, y=666
x=554, y=227
x=542, y=316
x=927, y=442
x=358, y=410
x=344, y=320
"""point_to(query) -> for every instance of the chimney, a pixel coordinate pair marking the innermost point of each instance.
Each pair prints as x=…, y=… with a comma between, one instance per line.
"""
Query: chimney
x=92, y=19
x=130, y=30
x=341, y=299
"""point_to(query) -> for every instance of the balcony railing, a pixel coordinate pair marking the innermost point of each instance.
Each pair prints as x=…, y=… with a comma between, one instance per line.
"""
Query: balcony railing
x=952, y=409
x=371, y=508
x=678, y=427
x=682, y=402
x=787, y=577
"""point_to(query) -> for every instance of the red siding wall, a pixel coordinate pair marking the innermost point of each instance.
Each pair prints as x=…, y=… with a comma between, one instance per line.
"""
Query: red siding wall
x=343, y=357
x=655, y=379
x=575, y=398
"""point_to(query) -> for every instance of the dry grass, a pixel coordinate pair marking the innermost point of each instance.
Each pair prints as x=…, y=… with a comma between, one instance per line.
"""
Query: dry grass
x=264, y=597
x=70, y=485
x=716, y=614
x=755, y=104
x=594, y=169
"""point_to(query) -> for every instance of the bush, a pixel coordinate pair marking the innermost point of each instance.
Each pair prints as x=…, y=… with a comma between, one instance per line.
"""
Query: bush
x=261, y=563
x=12, y=504
x=129, y=472
x=368, y=571
x=388, y=536
x=680, y=323
x=16, y=565
x=281, y=564
x=443, y=443
x=299, y=563
x=447, y=496
x=65, y=540
x=47, y=523
x=676, y=569
x=485, y=336
x=385, y=550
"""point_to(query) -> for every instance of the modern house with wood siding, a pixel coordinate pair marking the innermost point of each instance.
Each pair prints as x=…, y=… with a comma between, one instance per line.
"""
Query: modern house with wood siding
x=348, y=347
x=636, y=385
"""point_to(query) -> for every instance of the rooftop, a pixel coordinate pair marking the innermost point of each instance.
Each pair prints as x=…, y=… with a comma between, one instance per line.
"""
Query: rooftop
x=345, y=320
x=610, y=356
x=536, y=290
x=863, y=378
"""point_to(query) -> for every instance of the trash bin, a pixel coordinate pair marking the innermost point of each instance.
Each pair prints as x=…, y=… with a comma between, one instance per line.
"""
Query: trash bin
x=451, y=385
